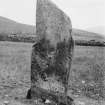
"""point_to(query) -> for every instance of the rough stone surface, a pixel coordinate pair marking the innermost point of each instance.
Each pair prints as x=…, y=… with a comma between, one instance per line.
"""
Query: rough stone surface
x=52, y=54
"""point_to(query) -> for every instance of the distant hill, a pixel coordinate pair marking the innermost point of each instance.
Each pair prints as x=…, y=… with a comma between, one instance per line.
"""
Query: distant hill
x=97, y=29
x=10, y=26
x=85, y=35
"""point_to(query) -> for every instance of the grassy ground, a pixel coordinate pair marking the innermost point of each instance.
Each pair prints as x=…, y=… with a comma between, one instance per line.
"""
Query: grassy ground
x=15, y=71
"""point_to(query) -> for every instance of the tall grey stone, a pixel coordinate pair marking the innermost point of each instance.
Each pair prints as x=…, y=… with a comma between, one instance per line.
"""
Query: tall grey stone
x=52, y=54
x=51, y=22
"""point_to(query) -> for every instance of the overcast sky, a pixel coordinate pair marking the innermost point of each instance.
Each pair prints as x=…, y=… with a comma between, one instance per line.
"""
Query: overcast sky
x=83, y=13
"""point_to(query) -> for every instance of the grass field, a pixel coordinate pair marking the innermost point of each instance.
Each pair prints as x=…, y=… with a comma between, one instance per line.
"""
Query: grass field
x=15, y=70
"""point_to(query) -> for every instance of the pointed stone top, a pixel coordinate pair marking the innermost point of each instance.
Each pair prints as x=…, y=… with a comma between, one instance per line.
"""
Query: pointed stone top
x=51, y=22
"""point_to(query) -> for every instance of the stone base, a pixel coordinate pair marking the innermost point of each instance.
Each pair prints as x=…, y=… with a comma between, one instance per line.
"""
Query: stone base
x=42, y=94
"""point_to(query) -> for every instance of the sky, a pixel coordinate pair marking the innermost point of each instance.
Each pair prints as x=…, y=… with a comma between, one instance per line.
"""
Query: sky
x=83, y=13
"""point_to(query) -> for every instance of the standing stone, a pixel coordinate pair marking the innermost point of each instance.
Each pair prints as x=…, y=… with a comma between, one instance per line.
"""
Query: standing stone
x=52, y=54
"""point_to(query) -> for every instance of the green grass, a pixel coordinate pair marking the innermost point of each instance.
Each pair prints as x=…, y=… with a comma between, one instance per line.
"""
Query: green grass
x=15, y=67
x=88, y=65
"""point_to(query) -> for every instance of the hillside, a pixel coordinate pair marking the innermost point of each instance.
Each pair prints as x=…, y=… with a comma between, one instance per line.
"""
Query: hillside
x=97, y=29
x=85, y=35
x=10, y=26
